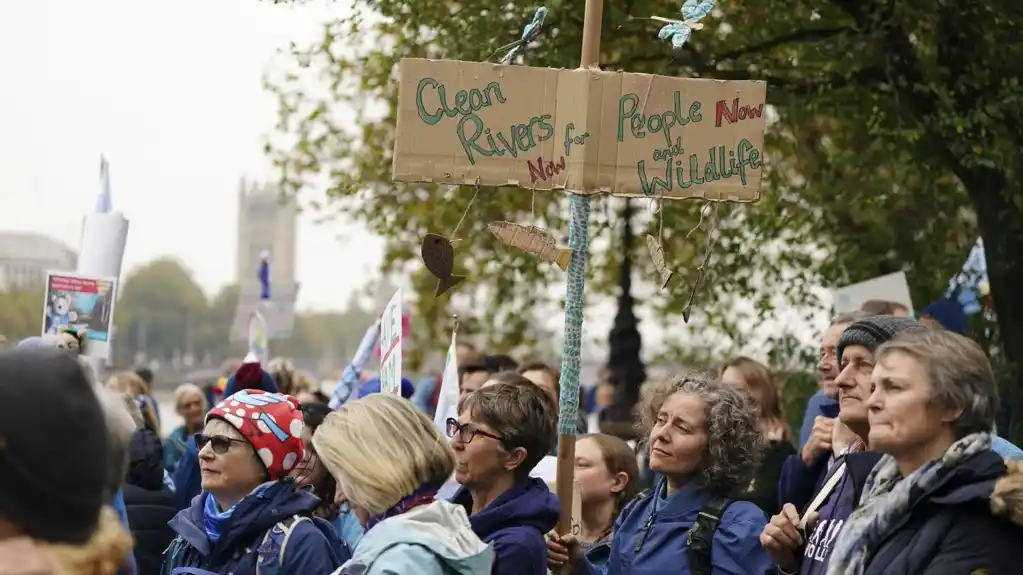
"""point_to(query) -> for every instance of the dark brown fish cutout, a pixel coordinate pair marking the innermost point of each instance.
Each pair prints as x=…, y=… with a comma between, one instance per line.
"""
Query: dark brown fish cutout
x=439, y=257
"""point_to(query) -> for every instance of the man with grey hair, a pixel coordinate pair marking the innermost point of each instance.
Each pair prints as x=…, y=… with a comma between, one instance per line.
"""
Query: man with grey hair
x=823, y=403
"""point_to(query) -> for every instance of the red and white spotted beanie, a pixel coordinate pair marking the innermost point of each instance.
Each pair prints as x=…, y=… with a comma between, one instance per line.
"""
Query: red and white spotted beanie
x=271, y=422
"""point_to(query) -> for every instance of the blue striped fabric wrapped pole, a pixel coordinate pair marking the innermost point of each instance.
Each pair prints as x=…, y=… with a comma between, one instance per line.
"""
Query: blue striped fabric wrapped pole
x=575, y=300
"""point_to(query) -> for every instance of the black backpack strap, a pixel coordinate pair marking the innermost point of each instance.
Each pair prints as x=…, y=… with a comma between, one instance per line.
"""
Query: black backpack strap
x=701, y=535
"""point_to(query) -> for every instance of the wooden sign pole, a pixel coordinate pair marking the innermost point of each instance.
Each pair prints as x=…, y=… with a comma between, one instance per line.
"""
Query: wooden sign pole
x=578, y=240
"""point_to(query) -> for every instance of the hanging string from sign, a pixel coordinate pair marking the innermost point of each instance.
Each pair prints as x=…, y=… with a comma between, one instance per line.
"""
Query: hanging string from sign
x=660, y=223
x=529, y=33
x=710, y=210
x=466, y=212
x=704, y=210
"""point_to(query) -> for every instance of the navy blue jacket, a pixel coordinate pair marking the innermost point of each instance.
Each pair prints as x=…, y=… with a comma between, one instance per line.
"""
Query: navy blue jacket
x=950, y=528
x=649, y=537
x=515, y=526
x=308, y=551
x=798, y=483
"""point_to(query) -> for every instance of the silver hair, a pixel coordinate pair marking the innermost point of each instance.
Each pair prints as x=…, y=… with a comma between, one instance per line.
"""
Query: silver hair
x=186, y=389
x=734, y=443
x=960, y=375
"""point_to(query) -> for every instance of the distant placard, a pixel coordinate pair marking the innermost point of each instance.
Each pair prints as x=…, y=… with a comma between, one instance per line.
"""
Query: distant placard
x=390, y=346
x=587, y=131
x=891, y=287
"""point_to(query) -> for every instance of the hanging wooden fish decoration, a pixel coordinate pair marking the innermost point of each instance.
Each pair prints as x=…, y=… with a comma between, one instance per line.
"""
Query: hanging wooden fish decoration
x=657, y=253
x=439, y=257
x=531, y=239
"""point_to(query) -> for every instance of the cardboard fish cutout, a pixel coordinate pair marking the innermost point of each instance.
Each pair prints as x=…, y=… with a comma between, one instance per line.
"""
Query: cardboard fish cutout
x=439, y=257
x=531, y=239
x=657, y=253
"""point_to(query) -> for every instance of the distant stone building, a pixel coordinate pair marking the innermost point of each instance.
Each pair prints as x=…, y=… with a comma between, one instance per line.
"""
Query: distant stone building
x=266, y=221
x=25, y=257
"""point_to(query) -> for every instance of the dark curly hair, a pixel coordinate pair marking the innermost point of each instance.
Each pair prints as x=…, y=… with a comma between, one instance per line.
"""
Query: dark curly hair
x=732, y=456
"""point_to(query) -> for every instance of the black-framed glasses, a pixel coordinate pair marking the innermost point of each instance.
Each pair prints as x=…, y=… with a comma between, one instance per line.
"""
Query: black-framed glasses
x=467, y=431
x=221, y=444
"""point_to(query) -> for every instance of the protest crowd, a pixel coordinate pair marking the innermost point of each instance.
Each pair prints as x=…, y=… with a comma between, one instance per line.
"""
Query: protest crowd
x=900, y=465
x=898, y=468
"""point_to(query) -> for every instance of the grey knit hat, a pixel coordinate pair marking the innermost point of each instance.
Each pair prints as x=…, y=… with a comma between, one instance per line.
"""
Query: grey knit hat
x=871, y=332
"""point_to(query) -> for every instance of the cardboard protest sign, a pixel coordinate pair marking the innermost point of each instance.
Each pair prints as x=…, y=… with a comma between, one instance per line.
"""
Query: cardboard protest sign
x=587, y=130
x=890, y=287
x=390, y=346
x=81, y=301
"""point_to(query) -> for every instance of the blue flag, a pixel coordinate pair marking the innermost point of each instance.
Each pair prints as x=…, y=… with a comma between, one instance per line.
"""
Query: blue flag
x=264, y=277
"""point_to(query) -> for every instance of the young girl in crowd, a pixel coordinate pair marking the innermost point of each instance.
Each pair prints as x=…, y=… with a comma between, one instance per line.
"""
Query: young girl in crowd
x=608, y=476
x=752, y=378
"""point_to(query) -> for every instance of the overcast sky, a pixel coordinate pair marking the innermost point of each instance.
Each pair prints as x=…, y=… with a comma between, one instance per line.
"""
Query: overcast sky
x=171, y=93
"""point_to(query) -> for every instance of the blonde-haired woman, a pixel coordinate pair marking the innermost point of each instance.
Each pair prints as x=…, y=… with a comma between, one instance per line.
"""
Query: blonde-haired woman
x=389, y=461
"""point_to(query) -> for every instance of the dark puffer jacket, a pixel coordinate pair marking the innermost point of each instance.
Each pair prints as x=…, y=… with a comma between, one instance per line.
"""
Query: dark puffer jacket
x=149, y=502
x=968, y=523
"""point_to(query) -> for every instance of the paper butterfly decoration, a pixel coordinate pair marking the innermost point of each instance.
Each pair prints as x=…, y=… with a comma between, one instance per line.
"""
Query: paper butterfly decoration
x=679, y=31
x=529, y=33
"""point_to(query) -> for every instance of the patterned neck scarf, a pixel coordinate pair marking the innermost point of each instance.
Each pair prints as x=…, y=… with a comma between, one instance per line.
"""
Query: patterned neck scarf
x=887, y=497
x=425, y=495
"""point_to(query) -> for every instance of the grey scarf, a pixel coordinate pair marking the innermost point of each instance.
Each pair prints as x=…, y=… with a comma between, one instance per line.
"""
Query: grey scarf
x=886, y=499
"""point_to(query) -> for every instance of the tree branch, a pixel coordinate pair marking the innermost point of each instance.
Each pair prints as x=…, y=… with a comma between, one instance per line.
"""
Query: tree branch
x=868, y=76
x=793, y=38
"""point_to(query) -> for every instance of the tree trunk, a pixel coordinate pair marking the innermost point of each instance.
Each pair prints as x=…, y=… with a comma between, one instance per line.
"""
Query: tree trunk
x=1000, y=220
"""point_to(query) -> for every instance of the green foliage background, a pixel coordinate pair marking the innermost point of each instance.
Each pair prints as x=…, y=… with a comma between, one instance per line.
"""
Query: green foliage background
x=897, y=140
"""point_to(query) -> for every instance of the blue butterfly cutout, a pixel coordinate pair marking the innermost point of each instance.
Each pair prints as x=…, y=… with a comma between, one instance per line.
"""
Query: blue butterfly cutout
x=529, y=33
x=679, y=31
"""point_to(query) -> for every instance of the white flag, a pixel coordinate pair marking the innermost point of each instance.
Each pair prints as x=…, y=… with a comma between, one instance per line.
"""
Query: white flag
x=447, y=399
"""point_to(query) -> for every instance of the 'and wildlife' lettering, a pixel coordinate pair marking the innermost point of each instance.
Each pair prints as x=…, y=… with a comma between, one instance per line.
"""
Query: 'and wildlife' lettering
x=719, y=163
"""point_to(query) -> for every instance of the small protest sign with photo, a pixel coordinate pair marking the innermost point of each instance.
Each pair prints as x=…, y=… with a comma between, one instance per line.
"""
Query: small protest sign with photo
x=586, y=130
x=79, y=301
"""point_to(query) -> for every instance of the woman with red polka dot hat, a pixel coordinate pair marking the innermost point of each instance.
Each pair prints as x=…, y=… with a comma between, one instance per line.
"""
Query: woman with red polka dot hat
x=250, y=512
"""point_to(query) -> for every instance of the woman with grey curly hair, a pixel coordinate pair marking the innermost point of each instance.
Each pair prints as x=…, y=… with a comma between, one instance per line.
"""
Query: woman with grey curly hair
x=704, y=443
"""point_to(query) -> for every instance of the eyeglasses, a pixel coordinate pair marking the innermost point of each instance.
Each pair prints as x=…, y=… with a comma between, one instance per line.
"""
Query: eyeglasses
x=221, y=443
x=466, y=431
